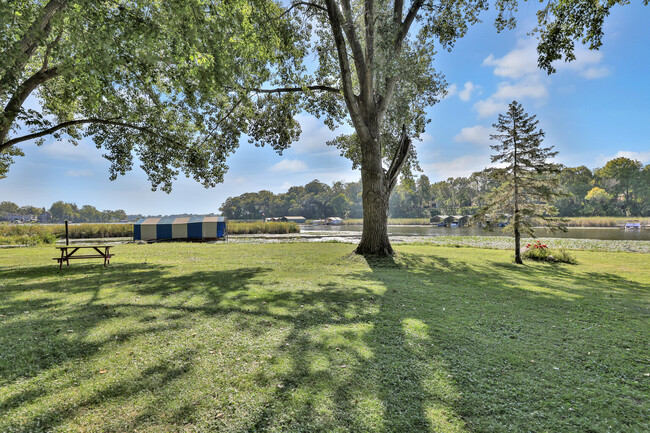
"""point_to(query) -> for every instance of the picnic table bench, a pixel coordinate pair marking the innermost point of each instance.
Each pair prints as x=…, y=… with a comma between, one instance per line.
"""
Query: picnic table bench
x=68, y=253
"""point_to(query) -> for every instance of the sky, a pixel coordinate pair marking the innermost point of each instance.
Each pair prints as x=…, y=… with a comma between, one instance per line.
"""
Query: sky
x=592, y=110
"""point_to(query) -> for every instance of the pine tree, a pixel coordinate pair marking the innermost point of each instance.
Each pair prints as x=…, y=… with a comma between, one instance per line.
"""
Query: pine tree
x=528, y=182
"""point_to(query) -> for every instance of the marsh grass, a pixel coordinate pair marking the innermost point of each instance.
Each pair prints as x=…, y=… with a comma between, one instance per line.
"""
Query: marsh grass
x=260, y=227
x=311, y=338
x=604, y=221
x=34, y=234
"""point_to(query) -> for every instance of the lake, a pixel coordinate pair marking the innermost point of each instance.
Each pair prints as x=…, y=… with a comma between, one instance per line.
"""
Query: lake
x=602, y=233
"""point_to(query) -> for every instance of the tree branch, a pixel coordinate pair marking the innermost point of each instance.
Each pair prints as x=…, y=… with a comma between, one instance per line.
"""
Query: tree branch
x=406, y=25
x=308, y=4
x=23, y=49
x=344, y=64
x=398, y=159
x=357, y=52
x=369, y=18
x=68, y=124
x=13, y=107
x=298, y=89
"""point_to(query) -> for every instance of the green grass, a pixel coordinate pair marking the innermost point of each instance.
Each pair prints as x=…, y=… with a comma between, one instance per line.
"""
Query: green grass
x=309, y=338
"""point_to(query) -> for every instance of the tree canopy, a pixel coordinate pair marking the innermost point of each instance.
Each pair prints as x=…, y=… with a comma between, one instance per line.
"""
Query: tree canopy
x=156, y=79
x=178, y=83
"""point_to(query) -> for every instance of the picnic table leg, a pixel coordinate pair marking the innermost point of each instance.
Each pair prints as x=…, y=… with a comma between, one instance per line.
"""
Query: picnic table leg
x=61, y=260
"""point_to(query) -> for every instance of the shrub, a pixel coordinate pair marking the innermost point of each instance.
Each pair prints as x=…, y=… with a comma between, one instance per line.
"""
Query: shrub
x=540, y=252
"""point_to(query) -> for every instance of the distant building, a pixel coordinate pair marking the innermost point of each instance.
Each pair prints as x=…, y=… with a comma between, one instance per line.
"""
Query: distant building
x=333, y=221
x=16, y=217
x=295, y=219
x=45, y=217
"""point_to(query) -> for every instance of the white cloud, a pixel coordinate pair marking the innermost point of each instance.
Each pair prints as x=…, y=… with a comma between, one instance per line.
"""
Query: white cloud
x=479, y=135
x=489, y=107
x=595, y=73
x=289, y=165
x=517, y=63
x=466, y=93
x=426, y=138
x=461, y=166
x=315, y=135
x=451, y=91
x=530, y=87
x=643, y=157
x=526, y=81
x=587, y=64
x=68, y=151
x=79, y=173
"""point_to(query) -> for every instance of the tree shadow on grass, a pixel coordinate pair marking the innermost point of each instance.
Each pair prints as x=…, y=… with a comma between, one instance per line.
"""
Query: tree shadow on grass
x=74, y=318
x=419, y=343
x=485, y=323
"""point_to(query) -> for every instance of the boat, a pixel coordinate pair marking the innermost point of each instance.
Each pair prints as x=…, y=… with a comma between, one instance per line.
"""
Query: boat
x=633, y=225
x=333, y=221
x=318, y=222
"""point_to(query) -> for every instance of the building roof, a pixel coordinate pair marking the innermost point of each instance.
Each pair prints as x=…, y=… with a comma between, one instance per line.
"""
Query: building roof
x=179, y=220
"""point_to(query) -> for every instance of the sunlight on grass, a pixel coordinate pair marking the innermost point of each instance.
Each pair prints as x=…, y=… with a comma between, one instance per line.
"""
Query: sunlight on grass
x=307, y=337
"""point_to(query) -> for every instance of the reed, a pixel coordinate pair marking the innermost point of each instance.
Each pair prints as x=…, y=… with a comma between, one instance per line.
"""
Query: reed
x=598, y=221
x=33, y=234
x=251, y=228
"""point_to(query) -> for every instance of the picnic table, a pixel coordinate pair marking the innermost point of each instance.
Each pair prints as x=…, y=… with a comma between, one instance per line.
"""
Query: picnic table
x=68, y=253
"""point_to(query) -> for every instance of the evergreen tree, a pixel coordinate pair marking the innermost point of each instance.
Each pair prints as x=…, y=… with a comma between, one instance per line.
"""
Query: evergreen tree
x=528, y=182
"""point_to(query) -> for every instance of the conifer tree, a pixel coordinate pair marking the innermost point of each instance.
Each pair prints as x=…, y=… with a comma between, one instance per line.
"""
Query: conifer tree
x=528, y=182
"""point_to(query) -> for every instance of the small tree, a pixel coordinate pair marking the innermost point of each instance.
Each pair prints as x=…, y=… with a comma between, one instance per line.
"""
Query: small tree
x=528, y=182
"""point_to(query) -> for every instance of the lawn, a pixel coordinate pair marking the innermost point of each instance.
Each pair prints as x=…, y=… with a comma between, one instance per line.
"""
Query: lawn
x=308, y=338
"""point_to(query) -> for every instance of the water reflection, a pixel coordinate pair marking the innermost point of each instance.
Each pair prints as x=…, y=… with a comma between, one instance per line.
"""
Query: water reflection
x=601, y=233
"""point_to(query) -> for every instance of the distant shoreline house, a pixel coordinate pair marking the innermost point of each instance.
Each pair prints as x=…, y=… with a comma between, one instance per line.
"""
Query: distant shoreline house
x=287, y=219
x=16, y=217
x=45, y=217
x=294, y=219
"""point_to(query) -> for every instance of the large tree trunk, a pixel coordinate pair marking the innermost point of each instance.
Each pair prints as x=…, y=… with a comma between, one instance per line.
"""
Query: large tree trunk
x=374, y=239
x=377, y=185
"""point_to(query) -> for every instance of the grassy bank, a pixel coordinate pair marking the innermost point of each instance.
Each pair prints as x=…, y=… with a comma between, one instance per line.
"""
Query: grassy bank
x=604, y=221
x=35, y=234
x=306, y=337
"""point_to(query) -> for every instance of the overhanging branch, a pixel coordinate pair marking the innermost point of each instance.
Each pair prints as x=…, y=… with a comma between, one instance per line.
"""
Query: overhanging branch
x=70, y=123
x=298, y=89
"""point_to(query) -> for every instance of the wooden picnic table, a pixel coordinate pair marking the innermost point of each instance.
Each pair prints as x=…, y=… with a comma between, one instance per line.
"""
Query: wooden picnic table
x=68, y=253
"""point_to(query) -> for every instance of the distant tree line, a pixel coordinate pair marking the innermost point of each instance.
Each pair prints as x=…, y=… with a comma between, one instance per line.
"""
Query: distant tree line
x=620, y=188
x=61, y=211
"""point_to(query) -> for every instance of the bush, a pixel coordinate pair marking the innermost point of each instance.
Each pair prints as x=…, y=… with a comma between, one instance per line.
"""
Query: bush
x=540, y=252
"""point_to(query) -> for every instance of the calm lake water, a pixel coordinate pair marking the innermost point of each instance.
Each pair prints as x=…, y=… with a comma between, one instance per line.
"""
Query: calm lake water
x=602, y=233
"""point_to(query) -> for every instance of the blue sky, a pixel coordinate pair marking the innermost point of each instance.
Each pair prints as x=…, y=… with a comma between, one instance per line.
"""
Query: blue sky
x=592, y=110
